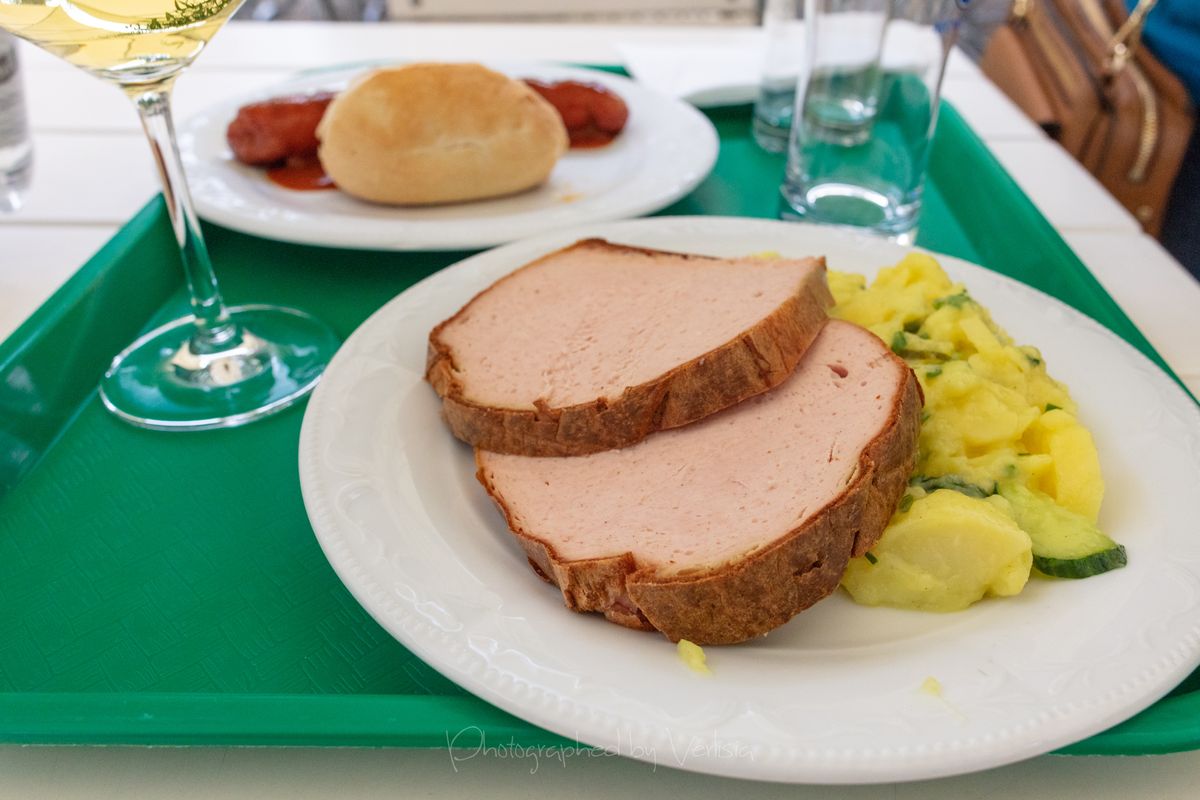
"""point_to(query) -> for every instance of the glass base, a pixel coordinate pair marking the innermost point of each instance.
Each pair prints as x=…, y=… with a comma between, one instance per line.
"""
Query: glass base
x=771, y=137
x=851, y=206
x=14, y=184
x=161, y=382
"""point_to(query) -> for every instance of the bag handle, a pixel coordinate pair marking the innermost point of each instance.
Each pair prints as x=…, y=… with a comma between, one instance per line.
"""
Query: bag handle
x=1124, y=44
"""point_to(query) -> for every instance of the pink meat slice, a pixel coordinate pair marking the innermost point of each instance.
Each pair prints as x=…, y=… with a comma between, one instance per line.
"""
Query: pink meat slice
x=698, y=497
x=599, y=321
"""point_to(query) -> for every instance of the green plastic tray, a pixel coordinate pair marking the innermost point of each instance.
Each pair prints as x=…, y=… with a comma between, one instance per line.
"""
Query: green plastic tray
x=167, y=588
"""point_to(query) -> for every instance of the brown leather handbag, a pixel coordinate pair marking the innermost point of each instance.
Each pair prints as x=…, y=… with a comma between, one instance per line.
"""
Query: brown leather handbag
x=1075, y=67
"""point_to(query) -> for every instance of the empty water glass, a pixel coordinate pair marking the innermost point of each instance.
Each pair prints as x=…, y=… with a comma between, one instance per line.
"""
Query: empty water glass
x=866, y=107
x=783, y=60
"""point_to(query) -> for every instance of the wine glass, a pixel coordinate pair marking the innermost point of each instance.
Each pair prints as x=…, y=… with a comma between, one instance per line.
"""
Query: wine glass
x=221, y=366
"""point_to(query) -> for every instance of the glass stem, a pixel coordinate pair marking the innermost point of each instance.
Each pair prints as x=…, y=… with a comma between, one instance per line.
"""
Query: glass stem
x=214, y=331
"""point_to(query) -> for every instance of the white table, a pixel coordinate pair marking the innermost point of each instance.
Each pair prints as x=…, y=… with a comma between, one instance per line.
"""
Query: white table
x=93, y=172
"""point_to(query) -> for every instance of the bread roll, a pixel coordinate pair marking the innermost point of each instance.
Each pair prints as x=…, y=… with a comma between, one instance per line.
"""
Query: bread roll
x=439, y=133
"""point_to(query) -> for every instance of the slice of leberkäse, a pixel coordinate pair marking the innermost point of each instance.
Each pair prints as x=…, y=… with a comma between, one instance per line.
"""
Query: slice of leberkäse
x=724, y=530
x=598, y=345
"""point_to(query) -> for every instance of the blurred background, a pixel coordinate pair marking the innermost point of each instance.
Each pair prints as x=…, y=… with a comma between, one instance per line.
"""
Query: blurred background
x=675, y=12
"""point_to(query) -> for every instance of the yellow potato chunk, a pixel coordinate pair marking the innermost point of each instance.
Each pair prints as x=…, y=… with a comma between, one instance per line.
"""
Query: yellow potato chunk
x=980, y=335
x=904, y=294
x=1001, y=366
x=917, y=270
x=1034, y=468
x=1041, y=390
x=943, y=554
x=845, y=285
x=693, y=655
x=1074, y=479
x=981, y=413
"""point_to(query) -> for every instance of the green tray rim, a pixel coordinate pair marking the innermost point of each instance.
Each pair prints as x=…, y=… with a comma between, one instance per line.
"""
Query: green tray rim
x=221, y=719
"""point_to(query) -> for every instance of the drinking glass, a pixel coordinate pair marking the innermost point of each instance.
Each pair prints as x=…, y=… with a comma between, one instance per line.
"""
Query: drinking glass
x=221, y=366
x=866, y=107
x=16, y=144
x=783, y=59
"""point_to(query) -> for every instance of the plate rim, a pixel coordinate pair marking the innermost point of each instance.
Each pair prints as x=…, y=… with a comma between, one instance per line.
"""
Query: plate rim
x=816, y=765
x=705, y=139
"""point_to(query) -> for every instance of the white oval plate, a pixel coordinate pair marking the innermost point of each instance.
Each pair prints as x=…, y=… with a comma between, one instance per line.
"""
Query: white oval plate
x=833, y=696
x=666, y=149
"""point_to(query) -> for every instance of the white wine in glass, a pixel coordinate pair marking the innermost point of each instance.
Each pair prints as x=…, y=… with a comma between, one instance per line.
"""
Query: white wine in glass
x=221, y=366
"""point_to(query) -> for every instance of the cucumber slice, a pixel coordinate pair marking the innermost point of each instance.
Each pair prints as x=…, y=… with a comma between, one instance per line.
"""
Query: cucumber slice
x=1065, y=544
x=1085, y=567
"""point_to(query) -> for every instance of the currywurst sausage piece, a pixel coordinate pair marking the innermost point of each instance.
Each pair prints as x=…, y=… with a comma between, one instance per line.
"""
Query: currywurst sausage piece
x=274, y=130
x=585, y=108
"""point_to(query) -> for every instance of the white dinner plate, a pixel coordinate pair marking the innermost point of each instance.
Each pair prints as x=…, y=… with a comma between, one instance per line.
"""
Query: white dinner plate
x=665, y=150
x=835, y=695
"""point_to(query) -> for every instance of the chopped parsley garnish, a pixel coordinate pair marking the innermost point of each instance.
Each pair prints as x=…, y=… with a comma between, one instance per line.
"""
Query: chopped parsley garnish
x=953, y=482
x=932, y=372
x=871, y=557
x=953, y=300
x=899, y=342
x=1051, y=407
x=906, y=503
x=1032, y=360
